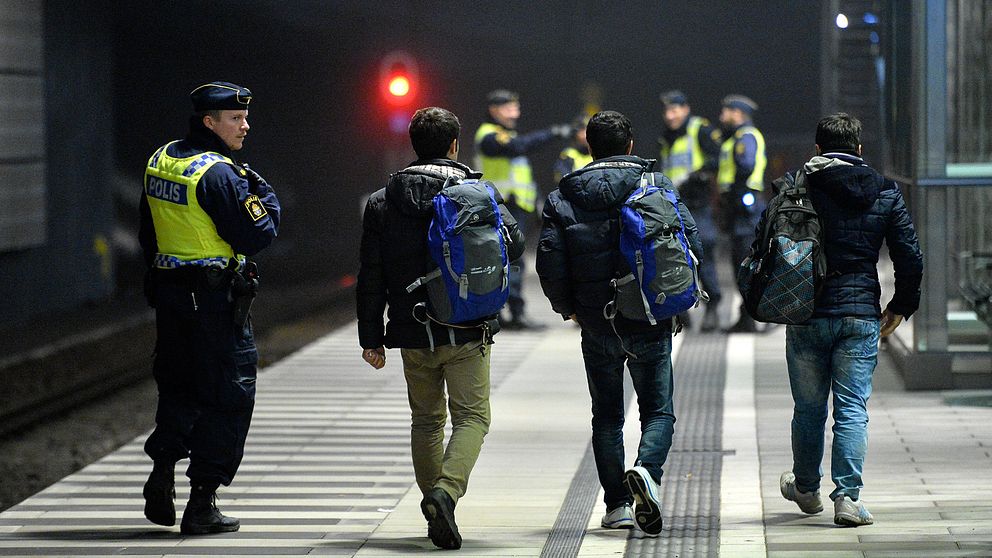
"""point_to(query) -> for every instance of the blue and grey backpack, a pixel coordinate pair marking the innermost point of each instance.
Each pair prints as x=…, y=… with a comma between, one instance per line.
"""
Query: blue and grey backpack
x=781, y=277
x=663, y=279
x=467, y=242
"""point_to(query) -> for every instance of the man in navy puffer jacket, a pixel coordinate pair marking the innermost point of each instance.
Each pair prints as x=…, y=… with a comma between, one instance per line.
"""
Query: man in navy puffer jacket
x=577, y=257
x=837, y=349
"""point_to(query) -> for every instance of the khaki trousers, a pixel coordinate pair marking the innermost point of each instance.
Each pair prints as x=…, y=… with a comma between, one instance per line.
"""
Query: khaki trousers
x=464, y=371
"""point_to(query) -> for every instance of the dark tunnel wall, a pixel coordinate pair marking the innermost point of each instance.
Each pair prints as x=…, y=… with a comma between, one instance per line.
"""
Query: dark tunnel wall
x=74, y=263
x=318, y=124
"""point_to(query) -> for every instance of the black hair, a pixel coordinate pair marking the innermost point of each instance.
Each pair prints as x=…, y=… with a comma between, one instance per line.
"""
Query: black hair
x=608, y=133
x=838, y=132
x=432, y=129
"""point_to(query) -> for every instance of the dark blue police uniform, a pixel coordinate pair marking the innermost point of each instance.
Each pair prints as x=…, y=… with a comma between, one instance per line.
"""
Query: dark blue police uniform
x=205, y=362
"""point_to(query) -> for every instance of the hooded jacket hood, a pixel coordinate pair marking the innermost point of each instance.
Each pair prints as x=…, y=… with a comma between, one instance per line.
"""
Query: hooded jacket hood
x=605, y=183
x=846, y=179
x=412, y=189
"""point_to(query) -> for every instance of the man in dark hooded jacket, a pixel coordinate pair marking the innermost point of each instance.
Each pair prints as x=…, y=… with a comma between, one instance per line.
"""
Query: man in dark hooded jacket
x=577, y=258
x=394, y=254
x=837, y=349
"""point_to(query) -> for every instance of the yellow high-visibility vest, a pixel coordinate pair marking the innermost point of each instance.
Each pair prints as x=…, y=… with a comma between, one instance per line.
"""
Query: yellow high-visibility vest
x=579, y=159
x=684, y=155
x=185, y=234
x=512, y=176
x=728, y=166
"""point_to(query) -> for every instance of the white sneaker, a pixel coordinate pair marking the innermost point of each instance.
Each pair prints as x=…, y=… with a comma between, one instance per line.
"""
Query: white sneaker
x=851, y=513
x=621, y=517
x=809, y=502
x=642, y=487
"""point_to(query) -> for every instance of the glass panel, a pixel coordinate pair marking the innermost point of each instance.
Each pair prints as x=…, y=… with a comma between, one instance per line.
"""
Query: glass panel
x=969, y=87
x=897, y=90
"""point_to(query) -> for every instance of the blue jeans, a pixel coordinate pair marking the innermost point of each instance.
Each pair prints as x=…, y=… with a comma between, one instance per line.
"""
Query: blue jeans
x=824, y=355
x=651, y=373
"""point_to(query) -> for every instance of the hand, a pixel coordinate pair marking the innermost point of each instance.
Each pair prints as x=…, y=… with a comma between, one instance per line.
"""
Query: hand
x=562, y=130
x=375, y=357
x=890, y=321
x=254, y=179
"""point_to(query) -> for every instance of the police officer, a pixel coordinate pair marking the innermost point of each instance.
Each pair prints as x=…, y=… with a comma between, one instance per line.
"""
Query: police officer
x=576, y=155
x=740, y=178
x=501, y=155
x=690, y=148
x=201, y=215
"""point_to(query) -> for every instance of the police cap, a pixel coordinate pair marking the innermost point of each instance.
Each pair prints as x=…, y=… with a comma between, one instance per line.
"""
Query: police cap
x=741, y=102
x=220, y=95
x=501, y=97
x=674, y=97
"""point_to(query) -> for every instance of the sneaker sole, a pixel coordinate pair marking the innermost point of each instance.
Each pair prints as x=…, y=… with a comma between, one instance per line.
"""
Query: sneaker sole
x=441, y=527
x=647, y=513
x=849, y=520
x=625, y=524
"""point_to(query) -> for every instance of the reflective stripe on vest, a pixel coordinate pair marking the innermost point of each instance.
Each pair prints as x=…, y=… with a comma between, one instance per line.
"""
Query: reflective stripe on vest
x=684, y=155
x=512, y=176
x=579, y=159
x=728, y=166
x=185, y=234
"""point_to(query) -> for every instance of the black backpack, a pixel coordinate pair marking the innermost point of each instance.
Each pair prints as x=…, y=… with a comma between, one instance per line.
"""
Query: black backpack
x=781, y=277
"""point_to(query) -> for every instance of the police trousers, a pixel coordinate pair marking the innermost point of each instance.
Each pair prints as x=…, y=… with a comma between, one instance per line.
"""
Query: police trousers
x=205, y=368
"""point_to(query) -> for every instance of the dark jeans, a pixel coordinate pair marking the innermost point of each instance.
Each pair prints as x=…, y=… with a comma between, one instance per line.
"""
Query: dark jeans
x=651, y=373
x=515, y=303
x=205, y=368
x=708, y=235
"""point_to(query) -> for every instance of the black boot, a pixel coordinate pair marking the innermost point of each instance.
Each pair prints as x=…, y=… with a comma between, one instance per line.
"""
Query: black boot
x=160, y=495
x=711, y=320
x=744, y=325
x=202, y=517
x=439, y=510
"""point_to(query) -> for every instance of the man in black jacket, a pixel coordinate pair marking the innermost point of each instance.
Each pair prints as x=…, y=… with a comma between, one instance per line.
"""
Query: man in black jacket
x=394, y=254
x=577, y=258
x=837, y=349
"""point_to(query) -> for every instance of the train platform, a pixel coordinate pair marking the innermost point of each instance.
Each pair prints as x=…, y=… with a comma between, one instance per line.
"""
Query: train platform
x=327, y=469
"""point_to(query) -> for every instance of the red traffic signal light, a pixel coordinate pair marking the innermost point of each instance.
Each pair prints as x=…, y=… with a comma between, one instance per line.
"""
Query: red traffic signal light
x=398, y=78
x=399, y=86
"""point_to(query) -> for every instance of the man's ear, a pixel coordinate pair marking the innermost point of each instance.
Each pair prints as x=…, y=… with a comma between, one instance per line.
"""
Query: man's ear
x=859, y=150
x=208, y=121
x=820, y=151
x=630, y=146
x=453, y=149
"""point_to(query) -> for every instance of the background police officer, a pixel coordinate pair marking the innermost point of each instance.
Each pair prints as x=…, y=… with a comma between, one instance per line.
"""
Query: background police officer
x=740, y=178
x=501, y=155
x=690, y=147
x=576, y=155
x=201, y=214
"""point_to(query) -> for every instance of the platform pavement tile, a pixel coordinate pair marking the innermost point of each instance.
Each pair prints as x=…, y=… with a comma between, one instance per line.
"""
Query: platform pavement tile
x=918, y=548
x=961, y=553
x=828, y=553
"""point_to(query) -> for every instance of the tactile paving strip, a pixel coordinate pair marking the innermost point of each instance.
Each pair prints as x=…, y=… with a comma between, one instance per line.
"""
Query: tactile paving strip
x=691, y=485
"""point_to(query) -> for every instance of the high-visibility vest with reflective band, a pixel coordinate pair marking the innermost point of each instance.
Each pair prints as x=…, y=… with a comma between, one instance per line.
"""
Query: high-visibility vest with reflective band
x=579, y=159
x=728, y=166
x=512, y=176
x=185, y=234
x=684, y=155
